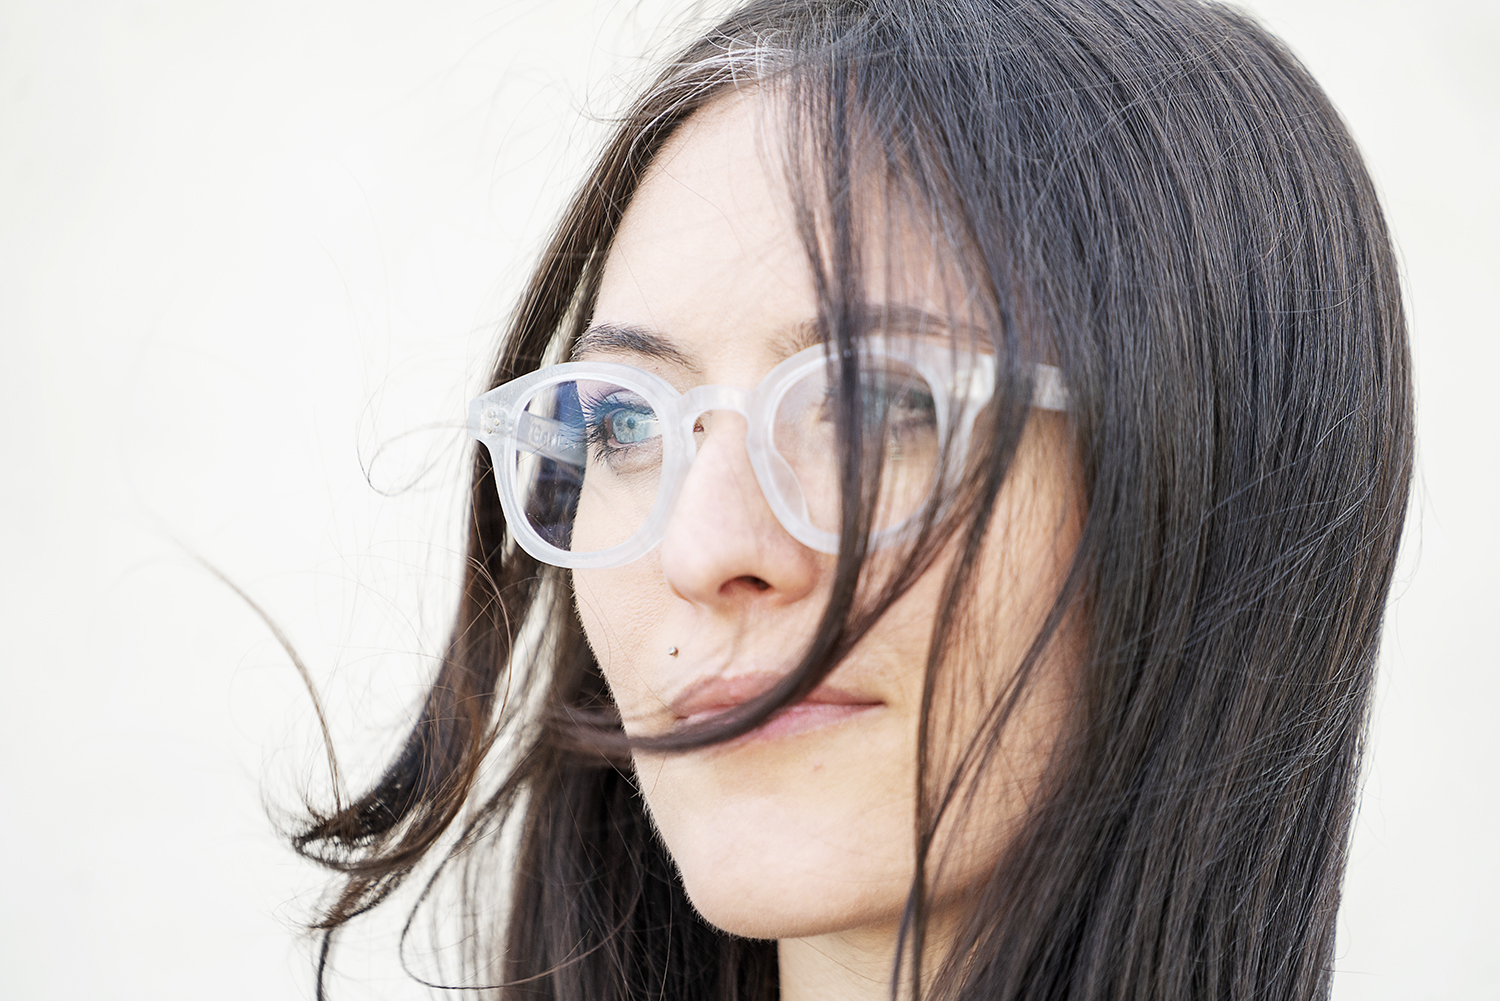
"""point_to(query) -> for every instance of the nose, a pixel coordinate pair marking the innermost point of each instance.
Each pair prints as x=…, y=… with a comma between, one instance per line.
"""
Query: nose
x=723, y=546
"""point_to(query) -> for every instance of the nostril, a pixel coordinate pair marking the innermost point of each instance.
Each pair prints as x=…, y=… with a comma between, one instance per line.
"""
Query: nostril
x=744, y=586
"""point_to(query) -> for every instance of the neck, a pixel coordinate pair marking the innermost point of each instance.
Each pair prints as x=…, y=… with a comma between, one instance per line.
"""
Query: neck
x=852, y=965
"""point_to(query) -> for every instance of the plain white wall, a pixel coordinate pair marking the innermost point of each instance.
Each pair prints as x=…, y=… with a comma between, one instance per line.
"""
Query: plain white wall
x=252, y=258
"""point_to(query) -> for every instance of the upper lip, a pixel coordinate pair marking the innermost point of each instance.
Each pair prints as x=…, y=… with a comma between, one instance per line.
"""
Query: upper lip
x=718, y=693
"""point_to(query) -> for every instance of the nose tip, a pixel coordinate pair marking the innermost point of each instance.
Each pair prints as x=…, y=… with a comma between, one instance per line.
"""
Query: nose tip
x=723, y=544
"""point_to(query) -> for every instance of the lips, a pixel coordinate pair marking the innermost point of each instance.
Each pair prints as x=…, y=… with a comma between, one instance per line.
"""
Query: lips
x=825, y=705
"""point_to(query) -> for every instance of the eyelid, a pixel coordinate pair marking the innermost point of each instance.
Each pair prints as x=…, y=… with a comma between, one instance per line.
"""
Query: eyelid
x=608, y=392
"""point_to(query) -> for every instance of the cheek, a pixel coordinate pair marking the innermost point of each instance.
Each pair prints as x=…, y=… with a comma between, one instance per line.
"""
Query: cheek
x=1000, y=750
x=621, y=610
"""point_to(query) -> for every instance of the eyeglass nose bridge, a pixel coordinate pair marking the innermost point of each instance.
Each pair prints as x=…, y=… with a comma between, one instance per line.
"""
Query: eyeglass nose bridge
x=701, y=399
x=778, y=484
x=705, y=399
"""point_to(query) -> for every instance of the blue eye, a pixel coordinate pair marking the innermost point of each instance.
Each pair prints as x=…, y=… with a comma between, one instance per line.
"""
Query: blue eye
x=900, y=406
x=632, y=425
x=622, y=429
x=905, y=404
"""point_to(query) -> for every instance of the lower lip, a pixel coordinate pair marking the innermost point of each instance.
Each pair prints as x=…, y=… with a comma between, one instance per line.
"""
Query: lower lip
x=800, y=718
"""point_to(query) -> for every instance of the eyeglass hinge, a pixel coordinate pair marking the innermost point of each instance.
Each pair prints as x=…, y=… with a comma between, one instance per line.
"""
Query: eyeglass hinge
x=494, y=421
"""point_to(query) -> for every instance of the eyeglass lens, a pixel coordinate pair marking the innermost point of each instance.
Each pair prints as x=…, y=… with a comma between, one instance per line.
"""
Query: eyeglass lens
x=589, y=457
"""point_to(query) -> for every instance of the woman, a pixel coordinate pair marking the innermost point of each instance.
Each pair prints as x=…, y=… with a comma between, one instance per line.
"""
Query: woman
x=932, y=530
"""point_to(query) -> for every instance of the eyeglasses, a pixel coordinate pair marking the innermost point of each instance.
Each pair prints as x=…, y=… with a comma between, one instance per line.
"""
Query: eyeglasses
x=589, y=457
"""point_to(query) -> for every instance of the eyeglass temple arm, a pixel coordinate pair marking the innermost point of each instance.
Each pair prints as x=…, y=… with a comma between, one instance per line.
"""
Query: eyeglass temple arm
x=1048, y=391
x=536, y=435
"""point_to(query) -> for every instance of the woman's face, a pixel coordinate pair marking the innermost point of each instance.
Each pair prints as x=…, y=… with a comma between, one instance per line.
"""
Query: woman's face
x=805, y=826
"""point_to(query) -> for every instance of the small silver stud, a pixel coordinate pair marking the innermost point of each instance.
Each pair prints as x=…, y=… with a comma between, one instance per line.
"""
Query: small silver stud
x=671, y=651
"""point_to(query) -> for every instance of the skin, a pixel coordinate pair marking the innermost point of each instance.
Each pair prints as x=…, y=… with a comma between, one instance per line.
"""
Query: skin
x=801, y=832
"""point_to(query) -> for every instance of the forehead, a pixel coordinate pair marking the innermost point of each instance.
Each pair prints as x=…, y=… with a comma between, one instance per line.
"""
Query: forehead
x=709, y=253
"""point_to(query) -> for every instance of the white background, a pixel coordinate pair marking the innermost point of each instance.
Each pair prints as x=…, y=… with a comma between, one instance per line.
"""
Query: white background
x=252, y=259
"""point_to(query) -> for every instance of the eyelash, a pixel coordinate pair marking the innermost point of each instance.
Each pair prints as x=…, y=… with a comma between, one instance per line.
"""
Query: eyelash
x=598, y=417
x=898, y=406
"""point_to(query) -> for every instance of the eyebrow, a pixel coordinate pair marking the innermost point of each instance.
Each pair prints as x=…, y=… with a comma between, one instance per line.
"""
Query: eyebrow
x=614, y=337
x=798, y=337
x=900, y=318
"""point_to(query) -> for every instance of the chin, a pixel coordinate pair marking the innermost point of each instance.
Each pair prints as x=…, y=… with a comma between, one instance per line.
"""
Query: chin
x=770, y=904
x=785, y=866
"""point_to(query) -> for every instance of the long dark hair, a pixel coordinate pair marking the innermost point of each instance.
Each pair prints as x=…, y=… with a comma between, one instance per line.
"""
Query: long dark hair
x=1156, y=197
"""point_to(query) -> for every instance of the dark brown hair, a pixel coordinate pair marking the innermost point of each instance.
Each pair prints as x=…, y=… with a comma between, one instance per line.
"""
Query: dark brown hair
x=1156, y=196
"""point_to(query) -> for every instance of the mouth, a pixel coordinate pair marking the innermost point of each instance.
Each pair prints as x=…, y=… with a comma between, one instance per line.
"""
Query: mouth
x=713, y=696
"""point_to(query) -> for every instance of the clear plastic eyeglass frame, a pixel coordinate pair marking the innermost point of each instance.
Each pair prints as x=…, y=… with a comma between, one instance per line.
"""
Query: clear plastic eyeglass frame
x=499, y=419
